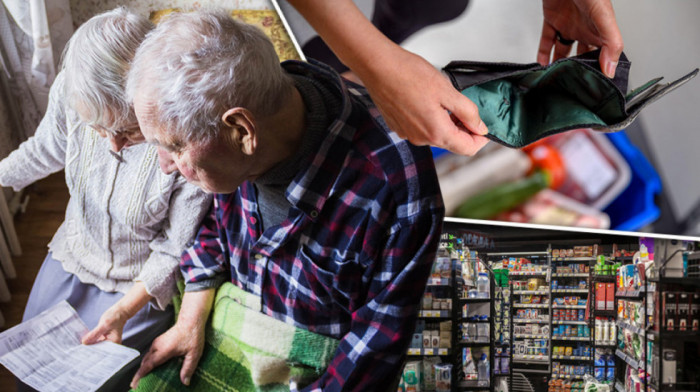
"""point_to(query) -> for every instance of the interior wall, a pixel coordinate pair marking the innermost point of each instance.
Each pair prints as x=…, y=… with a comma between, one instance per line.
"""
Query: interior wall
x=83, y=10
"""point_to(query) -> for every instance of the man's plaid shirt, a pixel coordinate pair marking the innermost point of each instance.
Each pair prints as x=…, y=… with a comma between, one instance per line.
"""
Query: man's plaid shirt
x=353, y=256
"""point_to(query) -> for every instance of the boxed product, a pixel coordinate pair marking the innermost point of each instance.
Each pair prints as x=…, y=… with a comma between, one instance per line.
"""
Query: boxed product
x=609, y=296
x=600, y=298
x=670, y=311
x=412, y=376
x=683, y=308
x=429, y=363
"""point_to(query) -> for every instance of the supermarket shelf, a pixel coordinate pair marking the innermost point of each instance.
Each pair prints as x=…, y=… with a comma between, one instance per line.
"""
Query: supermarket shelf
x=576, y=338
x=541, y=306
x=569, y=291
x=536, y=253
x=630, y=327
x=475, y=300
x=526, y=336
x=684, y=281
x=435, y=314
x=682, y=335
x=630, y=361
x=466, y=320
x=604, y=278
x=570, y=322
x=629, y=293
x=567, y=376
x=606, y=312
x=530, y=321
x=527, y=273
x=582, y=258
x=605, y=344
x=473, y=385
x=622, y=258
x=570, y=275
x=439, y=282
x=472, y=343
x=569, y=306
x=571, y=357
x=429, y=351
x=533, y=292
x=531, y=358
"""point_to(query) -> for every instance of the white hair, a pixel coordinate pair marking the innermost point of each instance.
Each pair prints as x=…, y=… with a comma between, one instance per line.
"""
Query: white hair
x=194, y=66
x=95, y=64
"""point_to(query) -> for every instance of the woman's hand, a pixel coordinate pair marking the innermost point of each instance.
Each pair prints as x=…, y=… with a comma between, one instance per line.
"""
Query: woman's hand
x=111, y=324
x=590, y=22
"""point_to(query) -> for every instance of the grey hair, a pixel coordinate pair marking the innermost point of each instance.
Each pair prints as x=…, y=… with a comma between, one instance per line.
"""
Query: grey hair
x=194, y=66
x=95, y=63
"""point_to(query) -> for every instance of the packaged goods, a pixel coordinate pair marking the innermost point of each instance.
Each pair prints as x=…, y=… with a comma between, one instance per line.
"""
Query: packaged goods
x=443, y=377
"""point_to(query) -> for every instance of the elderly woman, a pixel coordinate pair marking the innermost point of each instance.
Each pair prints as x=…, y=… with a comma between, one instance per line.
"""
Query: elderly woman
x=115, y=257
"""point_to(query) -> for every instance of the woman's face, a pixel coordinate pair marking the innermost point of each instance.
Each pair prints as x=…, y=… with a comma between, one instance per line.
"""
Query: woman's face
x=122, y=137
x=119, y=137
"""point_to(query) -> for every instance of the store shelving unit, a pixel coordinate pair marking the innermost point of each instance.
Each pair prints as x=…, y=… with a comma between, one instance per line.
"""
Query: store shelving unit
x=465, y=385
x=624, y=359
x=665, y=341
x=530, y=363
x=586, y=321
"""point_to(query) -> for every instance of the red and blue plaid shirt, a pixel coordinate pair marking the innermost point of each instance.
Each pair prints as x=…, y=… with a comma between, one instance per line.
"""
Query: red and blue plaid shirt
x=352, y=258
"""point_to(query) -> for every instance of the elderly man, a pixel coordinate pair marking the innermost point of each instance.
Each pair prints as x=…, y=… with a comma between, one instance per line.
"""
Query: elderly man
x=321, y=211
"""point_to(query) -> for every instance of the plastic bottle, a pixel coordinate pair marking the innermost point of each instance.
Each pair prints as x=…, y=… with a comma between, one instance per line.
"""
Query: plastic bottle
x=483, y=370
x=613, y=331
x=482, y=330
x=598, y=330
x=482, y=285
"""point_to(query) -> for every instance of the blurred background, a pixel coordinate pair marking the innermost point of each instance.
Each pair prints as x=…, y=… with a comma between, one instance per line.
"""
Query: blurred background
x=641, y=179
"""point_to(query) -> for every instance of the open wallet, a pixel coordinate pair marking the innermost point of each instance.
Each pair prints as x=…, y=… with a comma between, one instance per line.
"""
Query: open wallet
x=522, y=103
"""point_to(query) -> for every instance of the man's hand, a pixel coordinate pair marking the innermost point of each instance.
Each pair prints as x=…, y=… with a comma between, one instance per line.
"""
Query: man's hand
x=177, y=341
x=185, y=338
x=590, y=22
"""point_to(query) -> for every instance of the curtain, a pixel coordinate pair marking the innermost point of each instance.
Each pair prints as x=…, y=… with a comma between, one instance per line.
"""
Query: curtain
x=32, y=36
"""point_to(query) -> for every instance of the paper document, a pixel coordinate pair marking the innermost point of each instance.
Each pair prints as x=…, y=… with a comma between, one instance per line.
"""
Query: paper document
x=45, y=353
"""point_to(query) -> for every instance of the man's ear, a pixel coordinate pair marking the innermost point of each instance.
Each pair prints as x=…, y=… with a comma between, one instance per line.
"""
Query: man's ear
x=240, y=126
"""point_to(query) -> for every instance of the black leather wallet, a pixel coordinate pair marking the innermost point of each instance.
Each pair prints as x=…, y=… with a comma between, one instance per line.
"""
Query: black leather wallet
x=522, y=103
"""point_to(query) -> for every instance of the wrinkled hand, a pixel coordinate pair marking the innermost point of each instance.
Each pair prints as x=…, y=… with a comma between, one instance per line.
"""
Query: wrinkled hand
x=177, y=341
x=109, y=328
x=590, y=22
x=415, y=98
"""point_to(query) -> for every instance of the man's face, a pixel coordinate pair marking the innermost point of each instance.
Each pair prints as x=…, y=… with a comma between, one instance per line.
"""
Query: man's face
x=211, y=166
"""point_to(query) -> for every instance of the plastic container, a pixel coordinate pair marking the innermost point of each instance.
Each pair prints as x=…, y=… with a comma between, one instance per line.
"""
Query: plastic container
x=483, y=371
x=634, y=207
x=482, y=285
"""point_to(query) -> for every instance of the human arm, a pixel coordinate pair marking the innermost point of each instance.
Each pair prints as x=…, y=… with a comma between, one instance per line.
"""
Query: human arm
x=416, y=100
x=45, y=152
x=185, y=338
x=590, y=22
x=370, y=355
x=112, y=322
x=203, y=267
x=187, y=206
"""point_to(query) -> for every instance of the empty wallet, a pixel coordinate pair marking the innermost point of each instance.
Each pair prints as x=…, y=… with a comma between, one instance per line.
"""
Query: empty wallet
x=522, y=103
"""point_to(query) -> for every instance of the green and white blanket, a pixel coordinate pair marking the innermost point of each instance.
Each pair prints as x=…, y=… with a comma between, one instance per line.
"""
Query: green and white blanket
x=246, y=350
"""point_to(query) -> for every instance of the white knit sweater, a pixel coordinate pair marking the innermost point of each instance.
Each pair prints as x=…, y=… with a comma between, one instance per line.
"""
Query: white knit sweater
x=125, y=221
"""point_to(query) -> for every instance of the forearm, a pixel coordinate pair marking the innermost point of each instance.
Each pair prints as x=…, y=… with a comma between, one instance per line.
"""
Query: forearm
x=351, y=36
x=135, y=299
x=196, y=306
